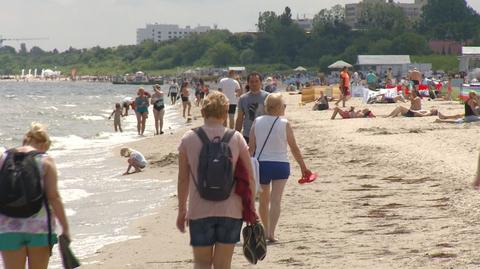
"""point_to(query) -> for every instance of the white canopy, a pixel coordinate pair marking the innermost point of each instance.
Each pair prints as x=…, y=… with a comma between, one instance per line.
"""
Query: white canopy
x=339, y=64
x=300, y=69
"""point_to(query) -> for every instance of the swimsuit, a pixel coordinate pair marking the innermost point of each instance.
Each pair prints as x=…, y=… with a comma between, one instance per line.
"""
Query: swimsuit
x=409, y=114
x=159, y=105
x=184, y=99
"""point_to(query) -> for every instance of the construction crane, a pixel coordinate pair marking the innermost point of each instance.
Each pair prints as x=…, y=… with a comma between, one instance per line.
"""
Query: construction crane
x=20, y=39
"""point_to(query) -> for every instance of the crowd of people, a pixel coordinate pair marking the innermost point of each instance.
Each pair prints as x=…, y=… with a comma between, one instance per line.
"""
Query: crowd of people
x=213, y=210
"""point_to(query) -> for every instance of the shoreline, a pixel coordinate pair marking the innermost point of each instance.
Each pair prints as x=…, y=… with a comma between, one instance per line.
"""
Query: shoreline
x=391, y=193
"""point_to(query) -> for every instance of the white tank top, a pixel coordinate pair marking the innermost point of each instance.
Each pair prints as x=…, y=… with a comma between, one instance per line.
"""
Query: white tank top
x=276, y=147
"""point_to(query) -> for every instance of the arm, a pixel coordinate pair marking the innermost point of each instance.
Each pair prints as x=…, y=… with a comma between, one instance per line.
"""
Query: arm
x=182, y=190
x=252, y=144
x=239, y=121
x=128, y=169
x=295, y=150
x=109, y=117
x=476, y=183
x=53, y=196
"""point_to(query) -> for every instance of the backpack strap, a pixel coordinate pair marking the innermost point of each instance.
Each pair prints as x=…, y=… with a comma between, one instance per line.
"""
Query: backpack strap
x=228, y=136
x=202, y=135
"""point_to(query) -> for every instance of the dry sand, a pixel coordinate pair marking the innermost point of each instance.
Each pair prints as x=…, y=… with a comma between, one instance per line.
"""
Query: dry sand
x=391, y=193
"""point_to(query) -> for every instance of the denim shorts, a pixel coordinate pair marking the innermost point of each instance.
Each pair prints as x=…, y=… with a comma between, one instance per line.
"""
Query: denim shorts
x=208, y=231
x=273, y=170
x=15, y=241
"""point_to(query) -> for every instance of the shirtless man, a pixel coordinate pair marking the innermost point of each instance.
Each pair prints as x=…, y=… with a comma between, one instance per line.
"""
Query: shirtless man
x=415, y=76
x=415, y=109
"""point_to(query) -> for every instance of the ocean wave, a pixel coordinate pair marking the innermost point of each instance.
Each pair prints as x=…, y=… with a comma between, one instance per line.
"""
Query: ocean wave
x=70, y=195
x=89, y=117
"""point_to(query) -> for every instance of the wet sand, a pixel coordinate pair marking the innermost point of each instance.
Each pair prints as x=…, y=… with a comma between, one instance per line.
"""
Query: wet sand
x=391, y=193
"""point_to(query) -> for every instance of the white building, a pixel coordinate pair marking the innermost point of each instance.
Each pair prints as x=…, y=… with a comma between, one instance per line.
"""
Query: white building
x=164, y=32
x=412, y=11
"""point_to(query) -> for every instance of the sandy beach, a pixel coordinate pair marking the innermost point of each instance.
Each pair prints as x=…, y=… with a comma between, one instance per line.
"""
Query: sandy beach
x=391, y=193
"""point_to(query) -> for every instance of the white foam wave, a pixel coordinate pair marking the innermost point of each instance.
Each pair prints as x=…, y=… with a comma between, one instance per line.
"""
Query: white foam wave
x=70, y=212
x=89, y=117
x=69, y=195
x=69, y=105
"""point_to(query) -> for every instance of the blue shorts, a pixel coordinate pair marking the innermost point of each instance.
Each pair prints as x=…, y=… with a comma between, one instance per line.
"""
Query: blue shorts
x=273, y=170
x=15, y=241
x=208, y=231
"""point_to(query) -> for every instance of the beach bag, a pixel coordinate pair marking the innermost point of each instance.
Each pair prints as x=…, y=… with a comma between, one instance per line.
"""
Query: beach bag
x=215, y=168
x=21, y=192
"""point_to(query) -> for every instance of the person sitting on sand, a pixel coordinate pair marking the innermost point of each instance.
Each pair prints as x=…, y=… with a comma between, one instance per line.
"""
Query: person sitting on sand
x=135, y=160
x=214, y=226
x=271, y=152
x=415, y=109
x=472, y=112
x=351, y=113
x=321, y=103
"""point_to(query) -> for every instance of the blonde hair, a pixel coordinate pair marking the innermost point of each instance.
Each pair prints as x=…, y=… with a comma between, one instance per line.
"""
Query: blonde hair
x=215, y=105
x=125, y=152
x=273, y=103
x=37, y=134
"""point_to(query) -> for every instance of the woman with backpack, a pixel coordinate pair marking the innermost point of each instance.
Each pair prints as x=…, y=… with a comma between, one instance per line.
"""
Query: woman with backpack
x=214, y=217
x=26, y=239
x=270, y=137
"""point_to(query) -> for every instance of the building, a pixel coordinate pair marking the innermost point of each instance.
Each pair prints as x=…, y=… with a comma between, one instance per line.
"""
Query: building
x=470, y=59
x=164, y=32
x=412, y=11
x=445, y=47
x=306, y=24
x=400, y=65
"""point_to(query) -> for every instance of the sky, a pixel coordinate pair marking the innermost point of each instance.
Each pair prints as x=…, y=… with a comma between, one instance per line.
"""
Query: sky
x=109, y=23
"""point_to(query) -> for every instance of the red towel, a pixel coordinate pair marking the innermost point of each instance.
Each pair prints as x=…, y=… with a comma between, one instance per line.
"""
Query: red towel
x=243, y=190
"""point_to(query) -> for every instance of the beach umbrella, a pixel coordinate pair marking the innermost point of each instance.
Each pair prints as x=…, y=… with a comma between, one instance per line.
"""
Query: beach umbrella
x=300, y=69
x=339, y=65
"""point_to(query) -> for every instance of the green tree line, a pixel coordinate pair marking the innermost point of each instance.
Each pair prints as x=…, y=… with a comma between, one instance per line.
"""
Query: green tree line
x=279, y=44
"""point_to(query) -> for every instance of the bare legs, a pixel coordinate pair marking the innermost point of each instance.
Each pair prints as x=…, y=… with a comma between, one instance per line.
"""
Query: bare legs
x=37, y=258
x=158, y=118
x=187, y=105
x=336, y=110
x=399, y=110
x=270, y=206
x=220, y=256
x=141, y=120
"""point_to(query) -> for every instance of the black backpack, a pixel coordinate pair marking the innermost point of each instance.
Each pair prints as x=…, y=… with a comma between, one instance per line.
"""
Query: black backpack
x=215, y=168
x=21, y=192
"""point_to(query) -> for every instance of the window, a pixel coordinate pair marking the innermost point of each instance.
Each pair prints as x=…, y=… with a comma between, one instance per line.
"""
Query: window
x=169, y=33
x=175, y=33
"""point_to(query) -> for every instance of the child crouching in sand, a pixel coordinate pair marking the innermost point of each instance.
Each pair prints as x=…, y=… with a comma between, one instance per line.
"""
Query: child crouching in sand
x=135, y=160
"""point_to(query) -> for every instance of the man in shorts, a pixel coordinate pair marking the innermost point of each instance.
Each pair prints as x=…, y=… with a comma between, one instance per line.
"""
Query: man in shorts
x=231, y=88
x=250, y=104
x=344, y=86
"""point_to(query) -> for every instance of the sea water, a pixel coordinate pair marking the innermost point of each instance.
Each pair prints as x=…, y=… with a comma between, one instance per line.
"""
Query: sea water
x=99, y=201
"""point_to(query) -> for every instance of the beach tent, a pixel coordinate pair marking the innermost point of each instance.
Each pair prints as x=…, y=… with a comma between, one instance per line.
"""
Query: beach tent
x=339, y=65
x=300, y=69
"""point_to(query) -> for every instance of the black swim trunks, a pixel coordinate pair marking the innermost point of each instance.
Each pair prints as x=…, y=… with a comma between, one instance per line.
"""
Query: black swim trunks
x=158, y=107
x=184, y=99
x=410, y=114
x=232, y=109
x=173, y=94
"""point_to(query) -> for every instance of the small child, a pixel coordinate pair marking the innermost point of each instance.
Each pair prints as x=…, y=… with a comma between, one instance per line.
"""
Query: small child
x=135, y=160
x=117, y=124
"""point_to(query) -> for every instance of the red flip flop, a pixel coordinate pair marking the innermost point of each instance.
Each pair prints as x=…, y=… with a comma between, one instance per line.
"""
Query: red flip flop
x=308, y=178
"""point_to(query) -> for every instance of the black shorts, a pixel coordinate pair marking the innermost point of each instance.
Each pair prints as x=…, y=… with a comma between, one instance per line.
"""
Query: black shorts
x=173, y=94
x=232, y=109
x=410, y=114
x=184, y=99
x=158, y=108
x=415, y=82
